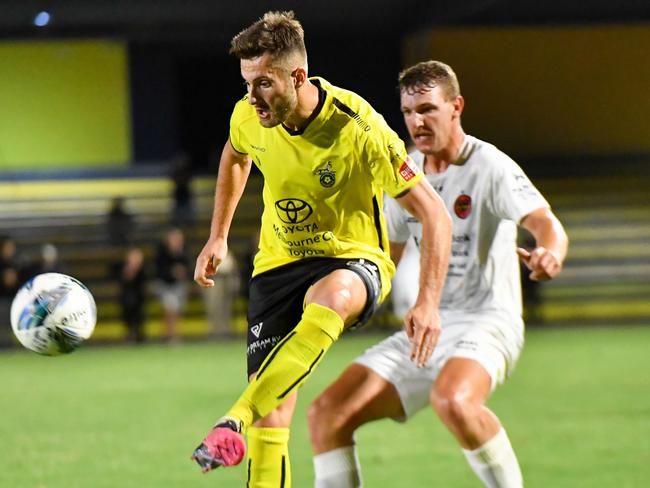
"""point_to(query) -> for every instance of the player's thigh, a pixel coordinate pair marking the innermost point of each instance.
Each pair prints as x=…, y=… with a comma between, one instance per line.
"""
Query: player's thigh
x=357, y=397
x=391, y=360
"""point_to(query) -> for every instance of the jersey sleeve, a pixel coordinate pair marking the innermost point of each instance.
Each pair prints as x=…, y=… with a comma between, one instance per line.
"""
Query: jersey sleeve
x=237, y=139
x=390, y=164
x=395, y=216
x=513, y=195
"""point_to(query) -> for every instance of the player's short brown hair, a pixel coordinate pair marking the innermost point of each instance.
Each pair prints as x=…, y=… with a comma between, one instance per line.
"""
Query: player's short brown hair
x=277, y=33
x=426, y=75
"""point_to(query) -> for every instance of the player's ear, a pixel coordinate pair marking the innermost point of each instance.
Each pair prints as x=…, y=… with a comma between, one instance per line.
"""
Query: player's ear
x=459, y=105
x=299, y=76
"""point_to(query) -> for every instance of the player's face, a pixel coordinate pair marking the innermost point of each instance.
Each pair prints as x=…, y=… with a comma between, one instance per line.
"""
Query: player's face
x=271, y=90
x=430, y=118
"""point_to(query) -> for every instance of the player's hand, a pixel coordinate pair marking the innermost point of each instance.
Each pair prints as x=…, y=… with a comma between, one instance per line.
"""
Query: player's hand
x=422, y=325
x=543, y=263
x=211, y=256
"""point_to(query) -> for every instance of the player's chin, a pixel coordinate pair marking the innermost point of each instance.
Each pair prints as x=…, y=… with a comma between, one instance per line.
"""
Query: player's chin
x=269, y=121
x=424, y=145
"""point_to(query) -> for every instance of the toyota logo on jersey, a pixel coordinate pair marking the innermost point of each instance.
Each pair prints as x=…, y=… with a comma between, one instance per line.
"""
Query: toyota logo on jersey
x=293, y=210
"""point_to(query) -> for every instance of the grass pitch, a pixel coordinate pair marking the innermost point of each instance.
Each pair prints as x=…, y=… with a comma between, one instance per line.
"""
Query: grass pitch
x=577, y=410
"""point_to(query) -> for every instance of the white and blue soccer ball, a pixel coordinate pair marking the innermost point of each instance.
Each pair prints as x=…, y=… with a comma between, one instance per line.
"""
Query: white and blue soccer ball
x=53, y=314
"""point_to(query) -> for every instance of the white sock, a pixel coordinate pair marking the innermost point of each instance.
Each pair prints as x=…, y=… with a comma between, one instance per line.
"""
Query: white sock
x=495, y=463
x=338, y=468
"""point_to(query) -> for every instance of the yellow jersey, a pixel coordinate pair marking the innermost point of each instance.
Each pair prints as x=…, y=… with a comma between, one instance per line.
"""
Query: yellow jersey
x=323, y=185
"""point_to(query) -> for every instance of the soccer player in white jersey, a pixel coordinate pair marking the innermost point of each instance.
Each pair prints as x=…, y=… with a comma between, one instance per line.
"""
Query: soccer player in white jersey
x=482, y=334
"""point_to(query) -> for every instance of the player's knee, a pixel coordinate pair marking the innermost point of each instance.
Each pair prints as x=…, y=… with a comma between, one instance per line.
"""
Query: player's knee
x=452, y=407
x=340, y=301
x=342, y=292
x=320, y=416
x=327, y=420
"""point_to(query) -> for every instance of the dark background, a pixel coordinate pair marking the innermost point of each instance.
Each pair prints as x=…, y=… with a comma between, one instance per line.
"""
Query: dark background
x=184, y=83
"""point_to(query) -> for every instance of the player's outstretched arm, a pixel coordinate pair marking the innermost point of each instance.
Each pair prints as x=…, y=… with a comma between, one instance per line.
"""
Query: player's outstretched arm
x=234, y=169
x=422, y=321
x=551, y=244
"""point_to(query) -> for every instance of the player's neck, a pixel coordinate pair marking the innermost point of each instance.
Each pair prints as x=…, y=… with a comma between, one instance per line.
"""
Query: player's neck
x=439, y=161
x=307, y=103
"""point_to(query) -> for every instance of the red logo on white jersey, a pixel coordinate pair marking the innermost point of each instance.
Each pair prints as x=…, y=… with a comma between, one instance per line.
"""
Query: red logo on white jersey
x=463, y=206
x=408, y=169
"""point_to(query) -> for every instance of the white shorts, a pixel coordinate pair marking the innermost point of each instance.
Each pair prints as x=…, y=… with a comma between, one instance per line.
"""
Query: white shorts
x=173, y=295
x=491, y=338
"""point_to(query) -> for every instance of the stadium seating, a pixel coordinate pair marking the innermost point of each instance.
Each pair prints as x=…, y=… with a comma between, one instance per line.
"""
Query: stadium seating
x=72, y=216
x=606, y=278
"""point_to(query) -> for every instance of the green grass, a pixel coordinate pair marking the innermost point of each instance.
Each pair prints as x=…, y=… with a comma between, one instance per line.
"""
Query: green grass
x=577, y=410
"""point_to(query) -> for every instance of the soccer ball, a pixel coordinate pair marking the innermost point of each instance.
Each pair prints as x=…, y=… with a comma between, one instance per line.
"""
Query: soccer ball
x=53, y=314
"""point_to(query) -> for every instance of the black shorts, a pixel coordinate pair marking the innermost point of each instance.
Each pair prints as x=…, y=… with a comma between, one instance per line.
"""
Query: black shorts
x=276, y=300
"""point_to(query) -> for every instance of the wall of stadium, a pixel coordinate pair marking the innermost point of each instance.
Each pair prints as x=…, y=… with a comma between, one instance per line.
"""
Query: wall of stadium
x=64, y=104
x=537, y=91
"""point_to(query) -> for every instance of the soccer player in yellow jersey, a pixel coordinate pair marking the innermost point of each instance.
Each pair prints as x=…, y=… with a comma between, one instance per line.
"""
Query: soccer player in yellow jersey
x=323, y=265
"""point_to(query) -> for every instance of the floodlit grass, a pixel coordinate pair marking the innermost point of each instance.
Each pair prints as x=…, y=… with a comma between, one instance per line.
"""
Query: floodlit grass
x=577, y=410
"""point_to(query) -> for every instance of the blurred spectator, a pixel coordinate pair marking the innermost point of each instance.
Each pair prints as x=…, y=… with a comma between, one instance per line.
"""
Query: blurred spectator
x=131, y=275
x=181, y=176
x=119, y=223
x=173, y=274
x=47, y=262
x=220, y=298
x=9, y=284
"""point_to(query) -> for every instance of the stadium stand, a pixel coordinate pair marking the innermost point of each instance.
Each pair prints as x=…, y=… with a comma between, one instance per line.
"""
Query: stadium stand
x=72, y=216
x=606, y=277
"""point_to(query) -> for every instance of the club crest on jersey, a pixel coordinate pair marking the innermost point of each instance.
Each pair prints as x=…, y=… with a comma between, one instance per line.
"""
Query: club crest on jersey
x=408, y=169
x=463, y=206
x=327, y=177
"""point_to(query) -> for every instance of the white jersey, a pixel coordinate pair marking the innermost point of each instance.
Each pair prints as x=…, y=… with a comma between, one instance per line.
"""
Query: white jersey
x=487, y=194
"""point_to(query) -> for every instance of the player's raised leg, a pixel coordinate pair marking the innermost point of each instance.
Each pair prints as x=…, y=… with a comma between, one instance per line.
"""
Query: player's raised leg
x=357, y=397
x=458, y=396
x=334, y=300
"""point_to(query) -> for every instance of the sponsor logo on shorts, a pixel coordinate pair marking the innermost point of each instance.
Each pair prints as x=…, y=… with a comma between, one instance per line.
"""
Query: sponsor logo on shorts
x=262, y=345
x=470, y=345
x=256, y=329
x=293, y=210
x=463, y=206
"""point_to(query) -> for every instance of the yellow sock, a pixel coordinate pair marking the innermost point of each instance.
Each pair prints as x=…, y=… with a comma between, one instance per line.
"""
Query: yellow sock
x=268, y=458
x=289, y=364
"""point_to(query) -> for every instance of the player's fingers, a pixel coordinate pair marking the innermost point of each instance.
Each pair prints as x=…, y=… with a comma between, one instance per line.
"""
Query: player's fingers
x=424, y=353
x=428, y=346
x=523, y=254
x=408, y=326
x=201, y=278
x=199, y=269
x=213, y=265
x=416, y=342
x=535, y=257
